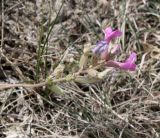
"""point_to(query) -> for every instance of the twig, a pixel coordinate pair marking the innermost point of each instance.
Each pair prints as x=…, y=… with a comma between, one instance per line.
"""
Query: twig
x=70, y=77
x=7, y=86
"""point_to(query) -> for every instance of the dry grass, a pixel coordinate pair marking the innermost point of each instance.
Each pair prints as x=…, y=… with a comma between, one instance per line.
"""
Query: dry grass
x=34, y=37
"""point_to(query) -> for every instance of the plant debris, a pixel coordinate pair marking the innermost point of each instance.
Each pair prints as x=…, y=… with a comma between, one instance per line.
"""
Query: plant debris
x=38, y=36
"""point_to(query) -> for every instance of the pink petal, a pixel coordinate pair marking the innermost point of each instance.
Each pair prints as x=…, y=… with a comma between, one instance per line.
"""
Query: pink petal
x=110, y=34
x=108, y=31
x=129, y=64
x=132, y=58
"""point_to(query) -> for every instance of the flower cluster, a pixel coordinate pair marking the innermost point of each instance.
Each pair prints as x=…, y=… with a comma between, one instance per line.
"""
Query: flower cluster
x=103, y=50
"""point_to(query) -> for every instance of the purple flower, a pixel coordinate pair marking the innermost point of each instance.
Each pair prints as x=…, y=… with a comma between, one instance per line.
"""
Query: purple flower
x=102, y=50
x=129, y=64
x=111, y=34
x=102, y=46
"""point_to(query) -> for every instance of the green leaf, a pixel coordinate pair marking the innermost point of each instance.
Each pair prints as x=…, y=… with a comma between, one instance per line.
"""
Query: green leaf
x=55, y=88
